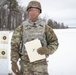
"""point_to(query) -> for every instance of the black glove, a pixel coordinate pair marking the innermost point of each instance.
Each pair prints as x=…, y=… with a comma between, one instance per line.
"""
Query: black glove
x=43, y=50
x=15, y=68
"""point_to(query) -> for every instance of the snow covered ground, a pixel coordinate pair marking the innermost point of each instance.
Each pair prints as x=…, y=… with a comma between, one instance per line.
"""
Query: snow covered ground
x=62, y=62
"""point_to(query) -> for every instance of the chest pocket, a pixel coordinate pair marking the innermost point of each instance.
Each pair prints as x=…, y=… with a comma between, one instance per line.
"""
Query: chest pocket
x=33, y=32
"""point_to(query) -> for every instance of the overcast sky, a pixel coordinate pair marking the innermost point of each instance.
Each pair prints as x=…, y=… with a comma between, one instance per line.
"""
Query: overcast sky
x=58, y=10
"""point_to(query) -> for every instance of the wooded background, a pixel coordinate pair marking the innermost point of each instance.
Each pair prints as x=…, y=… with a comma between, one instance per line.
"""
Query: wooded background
x=12, y=15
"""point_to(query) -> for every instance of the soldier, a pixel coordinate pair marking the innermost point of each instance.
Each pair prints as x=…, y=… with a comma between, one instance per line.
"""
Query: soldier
x=29, y=30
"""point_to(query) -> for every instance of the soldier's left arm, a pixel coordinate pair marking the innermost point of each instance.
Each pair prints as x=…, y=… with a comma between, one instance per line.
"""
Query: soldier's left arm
x=52, y=40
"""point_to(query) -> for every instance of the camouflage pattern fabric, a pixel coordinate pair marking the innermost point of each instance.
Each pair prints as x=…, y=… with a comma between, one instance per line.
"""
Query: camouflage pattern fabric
x=34, y=4
x=33, y=31
x=28, y=68
x=15, y=41
x=38, y=67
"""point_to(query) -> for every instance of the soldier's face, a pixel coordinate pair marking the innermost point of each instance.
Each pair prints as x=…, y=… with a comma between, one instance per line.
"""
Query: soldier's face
x=33, y=13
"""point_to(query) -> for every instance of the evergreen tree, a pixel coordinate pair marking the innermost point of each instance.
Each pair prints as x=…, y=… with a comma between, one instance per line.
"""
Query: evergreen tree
x=13, y=7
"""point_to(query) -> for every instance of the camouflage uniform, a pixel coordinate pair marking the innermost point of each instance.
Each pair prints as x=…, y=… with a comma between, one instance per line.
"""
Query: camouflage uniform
x=28, y=31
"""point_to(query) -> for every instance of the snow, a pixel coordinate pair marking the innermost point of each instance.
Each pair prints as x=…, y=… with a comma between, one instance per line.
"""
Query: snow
x=62, y=62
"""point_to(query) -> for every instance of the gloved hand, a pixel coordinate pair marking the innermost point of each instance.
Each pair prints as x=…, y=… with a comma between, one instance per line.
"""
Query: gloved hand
x=43, y=50
x=15, y=68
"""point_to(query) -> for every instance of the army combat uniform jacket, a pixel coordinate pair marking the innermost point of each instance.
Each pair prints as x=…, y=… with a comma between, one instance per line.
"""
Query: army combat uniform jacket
x=28, y=31
x=50, y=37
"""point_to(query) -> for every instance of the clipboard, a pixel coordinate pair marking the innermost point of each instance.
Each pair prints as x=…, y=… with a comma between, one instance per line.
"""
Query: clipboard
x=31, y=48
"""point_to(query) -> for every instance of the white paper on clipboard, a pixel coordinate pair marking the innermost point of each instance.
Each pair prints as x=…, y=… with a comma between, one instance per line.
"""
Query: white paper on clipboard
x=31, y=48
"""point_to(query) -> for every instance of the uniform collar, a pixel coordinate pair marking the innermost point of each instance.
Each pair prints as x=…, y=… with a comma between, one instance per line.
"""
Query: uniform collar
x=36, y=22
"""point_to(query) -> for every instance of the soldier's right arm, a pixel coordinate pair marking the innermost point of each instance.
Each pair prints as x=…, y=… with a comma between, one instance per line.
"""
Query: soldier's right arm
x=16, y=38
